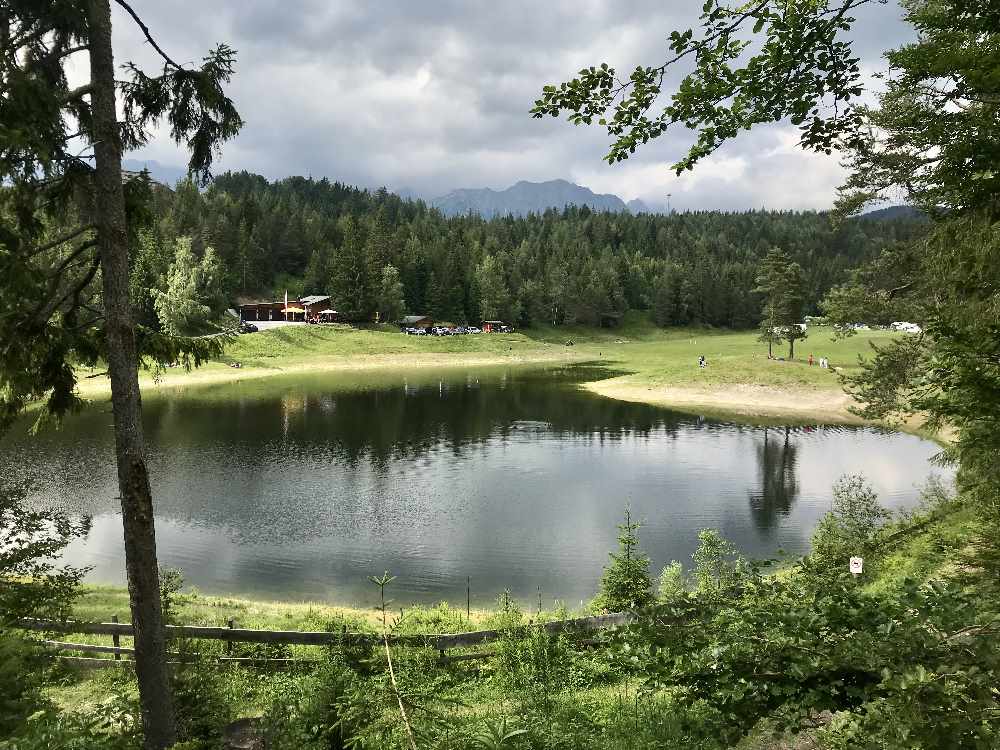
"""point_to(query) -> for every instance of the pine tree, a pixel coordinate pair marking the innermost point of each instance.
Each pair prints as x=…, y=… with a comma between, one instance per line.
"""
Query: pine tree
x=781, y=282
x=626, y=583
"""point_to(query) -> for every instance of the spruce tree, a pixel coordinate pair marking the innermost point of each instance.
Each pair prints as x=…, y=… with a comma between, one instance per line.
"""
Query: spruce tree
x=626, y=583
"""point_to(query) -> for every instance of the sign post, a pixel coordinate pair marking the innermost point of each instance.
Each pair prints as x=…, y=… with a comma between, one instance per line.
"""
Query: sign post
x=857, y=566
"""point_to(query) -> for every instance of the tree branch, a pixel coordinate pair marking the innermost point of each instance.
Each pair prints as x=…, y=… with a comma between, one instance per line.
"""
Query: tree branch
x=78, y=93
x=62, y=240
x=44, y=312
x=145, y=30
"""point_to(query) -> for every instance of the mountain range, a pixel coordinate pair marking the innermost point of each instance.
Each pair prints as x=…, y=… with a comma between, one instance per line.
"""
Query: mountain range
x=529, y=197
x=519, y=199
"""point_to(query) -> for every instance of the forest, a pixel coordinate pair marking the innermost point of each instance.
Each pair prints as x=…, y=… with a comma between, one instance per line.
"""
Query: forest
x=374, y=252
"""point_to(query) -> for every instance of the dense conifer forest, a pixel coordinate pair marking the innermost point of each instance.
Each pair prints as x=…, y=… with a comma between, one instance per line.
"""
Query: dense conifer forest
x=311, y=236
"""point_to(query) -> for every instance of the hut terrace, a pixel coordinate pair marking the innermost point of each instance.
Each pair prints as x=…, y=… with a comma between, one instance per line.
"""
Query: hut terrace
x=306, y=308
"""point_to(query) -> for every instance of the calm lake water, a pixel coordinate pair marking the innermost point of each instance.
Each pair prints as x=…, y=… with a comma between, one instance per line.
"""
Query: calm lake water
x=299, y=487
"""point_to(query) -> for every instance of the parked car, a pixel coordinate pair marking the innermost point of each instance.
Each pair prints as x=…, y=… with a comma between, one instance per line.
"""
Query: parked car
x=461, y=330
x=473, y=329
x=248, y=328
x=506, y=329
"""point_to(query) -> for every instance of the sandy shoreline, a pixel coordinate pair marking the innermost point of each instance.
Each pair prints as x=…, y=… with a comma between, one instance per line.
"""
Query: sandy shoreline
x=741, y=400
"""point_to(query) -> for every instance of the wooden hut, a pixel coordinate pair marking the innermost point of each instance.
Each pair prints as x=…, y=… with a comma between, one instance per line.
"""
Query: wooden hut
x=416, y=321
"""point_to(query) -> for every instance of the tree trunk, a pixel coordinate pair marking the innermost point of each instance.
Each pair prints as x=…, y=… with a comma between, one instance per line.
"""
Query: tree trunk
x=791, y=348
x=133, y=479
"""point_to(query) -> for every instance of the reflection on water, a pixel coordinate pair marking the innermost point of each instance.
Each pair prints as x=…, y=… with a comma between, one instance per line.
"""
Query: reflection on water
x=778, y=488
x=300, y=487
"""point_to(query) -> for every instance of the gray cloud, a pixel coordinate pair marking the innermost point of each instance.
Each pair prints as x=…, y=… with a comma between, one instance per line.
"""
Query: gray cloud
x=435, y=95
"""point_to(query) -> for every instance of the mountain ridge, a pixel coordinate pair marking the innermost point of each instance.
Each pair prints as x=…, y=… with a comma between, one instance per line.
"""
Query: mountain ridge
x=524, y=197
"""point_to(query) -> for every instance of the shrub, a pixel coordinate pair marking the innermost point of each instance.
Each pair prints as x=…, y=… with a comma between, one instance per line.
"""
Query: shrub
x=327, y=710
x=113, y=725
x=20, y=685
x=30, y=584
x=201, y=705
x=671, y=584
x=508, y=614
x=850, y=527
x=719, y=568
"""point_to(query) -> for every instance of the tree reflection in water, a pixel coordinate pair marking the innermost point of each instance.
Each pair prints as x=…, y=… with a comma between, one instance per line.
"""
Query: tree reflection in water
x=777, y=457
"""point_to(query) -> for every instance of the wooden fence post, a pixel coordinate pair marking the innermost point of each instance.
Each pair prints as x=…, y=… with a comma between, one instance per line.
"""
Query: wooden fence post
x=468, y=598
x=116, y=639
x=229, y=644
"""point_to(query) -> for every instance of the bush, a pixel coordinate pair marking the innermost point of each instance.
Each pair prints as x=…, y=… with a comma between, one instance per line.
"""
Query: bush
x=508, y=614
x=849, y=529
x=20, y=683
x=201, y=705
x=672, y=583
x=30, y=584
x=719, y=568
x=113, y=725
x=326, y=710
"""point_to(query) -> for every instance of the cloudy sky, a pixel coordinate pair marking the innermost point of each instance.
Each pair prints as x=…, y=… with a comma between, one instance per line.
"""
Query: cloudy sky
x=434, y=95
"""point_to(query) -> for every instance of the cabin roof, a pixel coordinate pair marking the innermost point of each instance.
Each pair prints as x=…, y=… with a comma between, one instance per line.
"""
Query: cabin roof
x=312, y=299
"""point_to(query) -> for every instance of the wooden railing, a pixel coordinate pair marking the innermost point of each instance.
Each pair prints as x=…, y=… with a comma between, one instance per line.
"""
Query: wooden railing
x=438, y=641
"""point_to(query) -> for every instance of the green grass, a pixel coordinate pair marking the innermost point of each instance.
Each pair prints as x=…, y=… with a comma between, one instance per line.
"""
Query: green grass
x=930, y=553
x=657, y=356
x=293, y=345
x=652, y=355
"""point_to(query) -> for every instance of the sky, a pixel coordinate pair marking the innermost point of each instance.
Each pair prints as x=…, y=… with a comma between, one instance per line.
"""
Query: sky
x=426, y=97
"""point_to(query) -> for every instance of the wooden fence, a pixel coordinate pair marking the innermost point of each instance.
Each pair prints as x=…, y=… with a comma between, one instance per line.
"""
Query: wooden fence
x=231, y=634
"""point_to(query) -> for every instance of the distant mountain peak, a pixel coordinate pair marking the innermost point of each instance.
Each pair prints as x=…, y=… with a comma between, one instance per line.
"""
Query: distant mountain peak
x=638, y=206
x=524, y=197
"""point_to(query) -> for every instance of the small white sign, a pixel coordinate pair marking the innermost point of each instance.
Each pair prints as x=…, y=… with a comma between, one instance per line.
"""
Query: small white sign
x=857, y=565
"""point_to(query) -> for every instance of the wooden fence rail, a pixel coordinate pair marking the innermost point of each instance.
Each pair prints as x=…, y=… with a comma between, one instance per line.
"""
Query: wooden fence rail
x=438, y=641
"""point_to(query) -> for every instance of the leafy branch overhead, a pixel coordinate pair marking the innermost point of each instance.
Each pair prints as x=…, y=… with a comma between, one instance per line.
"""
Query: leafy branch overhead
x=759, y=62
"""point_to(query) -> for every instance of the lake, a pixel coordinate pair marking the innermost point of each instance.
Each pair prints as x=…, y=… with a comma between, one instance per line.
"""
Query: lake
x=299, y=487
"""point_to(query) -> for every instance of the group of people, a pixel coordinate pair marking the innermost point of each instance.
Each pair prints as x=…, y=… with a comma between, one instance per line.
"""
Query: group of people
x=823, y=362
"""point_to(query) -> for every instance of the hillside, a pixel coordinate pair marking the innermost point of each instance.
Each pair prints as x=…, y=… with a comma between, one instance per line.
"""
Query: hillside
x=890, y=213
